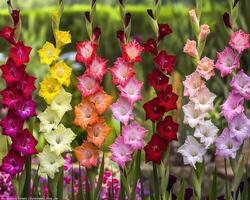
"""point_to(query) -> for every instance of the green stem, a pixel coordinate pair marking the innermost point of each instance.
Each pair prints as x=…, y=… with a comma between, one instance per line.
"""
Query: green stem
x=136, y=174
x=26, y=189
x=60, y=184
x=226, y=184
x=156, y=183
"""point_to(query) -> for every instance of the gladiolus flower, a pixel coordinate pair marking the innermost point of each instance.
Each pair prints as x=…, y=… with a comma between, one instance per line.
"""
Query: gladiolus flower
x=60, y=139
x=131, y=52
x=227, y=61
x=168, y=99
x=192, y=116
x=207, y=132
x=49, y=120
x=133, y=135
x=232, y=107
x=49, y=162
x=239, y=127
x=85, y=114
x=151, y=46
x=15, y=16
x=98, y=132
x=20, y=53
x=204, y=31
x=167, y=129
x=157, y=80
x=192, y=151
x=85, y=51
x=164, y=29
x=10, y=97
x=121, y=72
x=8, y=34
x=241, y=84
x=154, y=111
x=26, y=85
x=12, y=163
x=190, y=48
x=7, y=189
x=49, y=88
x=226, y=146
x=203, y=100
x=193, y=84
x=121, y=152
x=62, y=38
x=61, y=72
x=101, y=100
x=25, y=143
x=11, y=125
x=11, y=72
x=61, y=102
x=87, y=85
x=96, y=34
x=165, y=62
x=131, y=90
x=206, y=68
x=155, y=149
x=87, y=154
x=97, y=68
x=121, y=36
x=239, y=40
x=48, y=53
x=193, y=16
x=122, y=110
x=26, y=109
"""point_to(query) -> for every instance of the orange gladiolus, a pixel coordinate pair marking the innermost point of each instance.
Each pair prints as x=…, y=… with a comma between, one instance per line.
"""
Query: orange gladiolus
x=87, y=154
x=98, y=133
x=101, y=100
x=85, y=114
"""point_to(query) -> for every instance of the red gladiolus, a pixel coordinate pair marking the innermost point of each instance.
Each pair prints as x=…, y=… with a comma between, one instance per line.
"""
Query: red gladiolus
x=164, y=29
x=8, y=34
x=155, y=149
x=165, y=62
x=151, y=46
x=11, y=72
x=85, y=51
x=121, y=36
x=25, y=143
x=96, y=34
x=20, y=53
x=167, y=129
x=26, y=85
x=154, y=111
x=10, y=97
x=15, y=16
x=131, y=52
x=168, y=99
x=157, y=80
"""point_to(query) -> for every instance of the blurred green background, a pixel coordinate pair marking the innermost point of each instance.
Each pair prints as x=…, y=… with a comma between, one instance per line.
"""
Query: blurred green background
x=36, y=29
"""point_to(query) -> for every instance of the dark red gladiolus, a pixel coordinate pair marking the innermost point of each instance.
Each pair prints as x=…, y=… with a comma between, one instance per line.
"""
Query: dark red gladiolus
x=164, y=29
x=96, y=34
x=153, y=109
x=11, y=124
x=127, y=19
x=15, y=16
x=25, y=143
x=8, y=34
x=165, y=62
x=13, y=163
x=20, y=53
x=26, y=85
x=121, y=36
x=157, y=80
x=26, y=109
x=168, y=99
x=151, y=46
x=10, y=97
x=155, y=149
x=11, y=72
x=226, y=20
x=167, y=129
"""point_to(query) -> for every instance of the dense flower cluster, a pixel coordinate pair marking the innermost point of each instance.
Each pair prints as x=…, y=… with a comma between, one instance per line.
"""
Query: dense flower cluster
x=17, y=99
x=57, y=136
x=95, y=101
x=196, y=111
x=123, y=76
x=165, y=101
x=238, y=130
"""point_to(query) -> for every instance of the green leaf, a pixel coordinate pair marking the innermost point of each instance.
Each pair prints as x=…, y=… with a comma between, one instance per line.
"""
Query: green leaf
x=52, y=183
x=125, y=184
x=99, y=184
x=60, y=184
x=181, y=191
x=25, y=184
x=35, y=192
x=135, y=174
x=199, y=7
x=156, y=183
x=213, y=192
x=238, y=174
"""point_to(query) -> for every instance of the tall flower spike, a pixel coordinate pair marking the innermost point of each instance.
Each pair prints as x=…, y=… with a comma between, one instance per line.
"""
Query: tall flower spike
x=17, y=99
x=58, y=138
